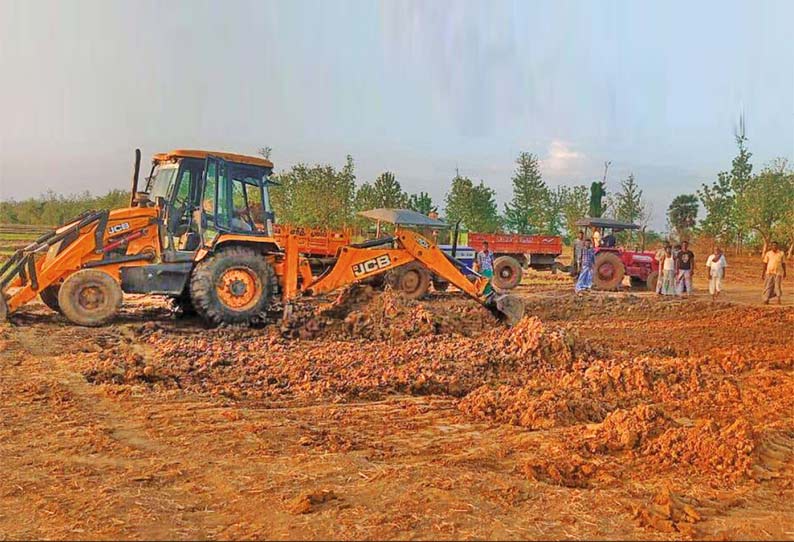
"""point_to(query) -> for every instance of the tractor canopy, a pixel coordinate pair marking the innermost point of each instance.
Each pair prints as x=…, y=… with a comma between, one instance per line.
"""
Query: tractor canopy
x=606, y=223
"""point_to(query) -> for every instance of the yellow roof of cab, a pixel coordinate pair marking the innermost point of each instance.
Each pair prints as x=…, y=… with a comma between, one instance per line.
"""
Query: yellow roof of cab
x=228, y=156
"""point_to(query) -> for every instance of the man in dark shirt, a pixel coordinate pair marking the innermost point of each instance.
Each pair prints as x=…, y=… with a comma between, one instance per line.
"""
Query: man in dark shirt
x=685, y=263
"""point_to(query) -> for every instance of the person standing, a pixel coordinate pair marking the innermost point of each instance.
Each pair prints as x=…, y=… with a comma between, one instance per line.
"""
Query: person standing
x=578, y=246
x=586, y=265
x=483, y=261
x=774, y=273
x=668, y=272
x=716, y=265
x=685, y=262
x=660, y=255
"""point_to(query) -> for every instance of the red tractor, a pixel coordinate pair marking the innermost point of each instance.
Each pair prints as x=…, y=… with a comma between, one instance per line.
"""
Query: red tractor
x=612, y=263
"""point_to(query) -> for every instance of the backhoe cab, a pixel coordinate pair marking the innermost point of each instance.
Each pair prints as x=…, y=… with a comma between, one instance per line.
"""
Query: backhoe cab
x=201, y=232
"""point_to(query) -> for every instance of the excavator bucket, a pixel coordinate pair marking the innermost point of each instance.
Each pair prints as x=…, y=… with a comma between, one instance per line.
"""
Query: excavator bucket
x=508, y=308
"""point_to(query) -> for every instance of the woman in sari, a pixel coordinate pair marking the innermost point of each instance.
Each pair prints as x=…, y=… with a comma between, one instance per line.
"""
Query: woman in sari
x=586, y=265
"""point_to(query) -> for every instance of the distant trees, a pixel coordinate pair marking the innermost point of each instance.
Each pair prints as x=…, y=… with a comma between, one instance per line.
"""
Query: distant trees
x=473, y=204
x=422, y=203
x=719, y=199
x=318, y=195
x=764, y=204
x=574, y=203
x=51, y=209
x=533, y=208
x=682, y=214
x=630, y=206
x=741, y=207
x=384, y=192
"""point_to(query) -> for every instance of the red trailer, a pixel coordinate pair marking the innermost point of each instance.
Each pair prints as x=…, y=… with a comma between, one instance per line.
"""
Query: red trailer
x=536, y=251
x=514, y=251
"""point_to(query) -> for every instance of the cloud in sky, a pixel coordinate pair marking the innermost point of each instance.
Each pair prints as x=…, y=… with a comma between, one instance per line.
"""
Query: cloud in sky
x=562, y=160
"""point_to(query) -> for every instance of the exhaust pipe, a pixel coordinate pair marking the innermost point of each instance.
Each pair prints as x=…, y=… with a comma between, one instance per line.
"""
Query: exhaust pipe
x=135, y=172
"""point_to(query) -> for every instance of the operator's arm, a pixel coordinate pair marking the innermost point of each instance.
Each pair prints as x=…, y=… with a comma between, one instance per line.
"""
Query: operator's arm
x=765, y=260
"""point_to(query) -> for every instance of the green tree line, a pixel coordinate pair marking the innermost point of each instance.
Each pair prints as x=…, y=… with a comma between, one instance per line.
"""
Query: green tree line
x=329, y=196
x=51, y=209
x=741, y=208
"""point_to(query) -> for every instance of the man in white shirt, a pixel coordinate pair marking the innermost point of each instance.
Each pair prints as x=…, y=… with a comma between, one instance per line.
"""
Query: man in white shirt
x=716, y=264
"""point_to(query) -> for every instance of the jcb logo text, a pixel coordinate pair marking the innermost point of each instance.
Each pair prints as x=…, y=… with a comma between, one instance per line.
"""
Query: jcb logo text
x=372, y=265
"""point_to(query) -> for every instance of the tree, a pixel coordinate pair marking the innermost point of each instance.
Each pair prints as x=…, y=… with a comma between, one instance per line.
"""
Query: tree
x=682, y=214
x=532, y=208
x=315, y=196
x=718, y=202
x=422, y=203
x=574, y=203
x=630, y=205
x=720, y=199
x=474, y=205
x=385, y=192
x=766, y=201
x=265, y=152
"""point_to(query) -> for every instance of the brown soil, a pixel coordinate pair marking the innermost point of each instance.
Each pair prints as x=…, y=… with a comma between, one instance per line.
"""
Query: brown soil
x=616, y=415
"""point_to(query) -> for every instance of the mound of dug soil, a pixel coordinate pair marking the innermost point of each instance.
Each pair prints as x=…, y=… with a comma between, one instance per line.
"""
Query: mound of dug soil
x=361, y=313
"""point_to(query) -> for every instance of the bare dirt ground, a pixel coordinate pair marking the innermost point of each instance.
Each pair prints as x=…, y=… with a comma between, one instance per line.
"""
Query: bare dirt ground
x=612, y=415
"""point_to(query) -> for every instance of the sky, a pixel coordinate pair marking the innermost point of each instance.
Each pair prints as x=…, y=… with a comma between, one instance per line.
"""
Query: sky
x=420, y=88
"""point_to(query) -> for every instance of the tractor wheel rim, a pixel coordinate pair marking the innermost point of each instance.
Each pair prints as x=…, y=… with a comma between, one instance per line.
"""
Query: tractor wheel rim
x=410, y=281
x=91, y=297
x=238, y=288
x=506, y=273
x=606, y=271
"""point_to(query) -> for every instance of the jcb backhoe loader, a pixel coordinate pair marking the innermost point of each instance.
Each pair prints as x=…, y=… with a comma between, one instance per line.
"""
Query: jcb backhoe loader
x=201, y=232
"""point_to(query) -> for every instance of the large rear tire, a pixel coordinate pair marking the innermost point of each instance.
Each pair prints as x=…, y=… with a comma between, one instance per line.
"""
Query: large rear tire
x=412, y=280
x=232, y=286
x=609, y=271
x=89, y=297
x=506, y=273
x=49, y=296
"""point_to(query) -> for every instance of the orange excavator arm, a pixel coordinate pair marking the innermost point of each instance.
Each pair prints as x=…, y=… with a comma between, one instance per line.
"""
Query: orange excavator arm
x=357, y=263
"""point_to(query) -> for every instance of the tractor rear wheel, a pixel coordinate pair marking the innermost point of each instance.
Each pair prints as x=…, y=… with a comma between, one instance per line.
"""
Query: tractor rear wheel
x=650, y=283
x=49, y=296
x=89, y=297
x=231, y=286
x=506, y=273
x=609, y=271
x=412, y=280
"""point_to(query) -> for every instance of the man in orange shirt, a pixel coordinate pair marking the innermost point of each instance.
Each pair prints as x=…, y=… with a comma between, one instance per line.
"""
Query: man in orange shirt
x=774, y=273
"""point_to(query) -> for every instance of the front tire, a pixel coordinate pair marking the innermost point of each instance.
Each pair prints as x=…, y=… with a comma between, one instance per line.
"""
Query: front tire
x=89, y=297
x=231, y=286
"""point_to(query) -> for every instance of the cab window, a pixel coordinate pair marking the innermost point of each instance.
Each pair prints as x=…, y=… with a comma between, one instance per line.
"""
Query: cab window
x=162, y=180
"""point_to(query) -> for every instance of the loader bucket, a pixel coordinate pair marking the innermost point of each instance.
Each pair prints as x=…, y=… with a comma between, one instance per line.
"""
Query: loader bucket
x=508, y=308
